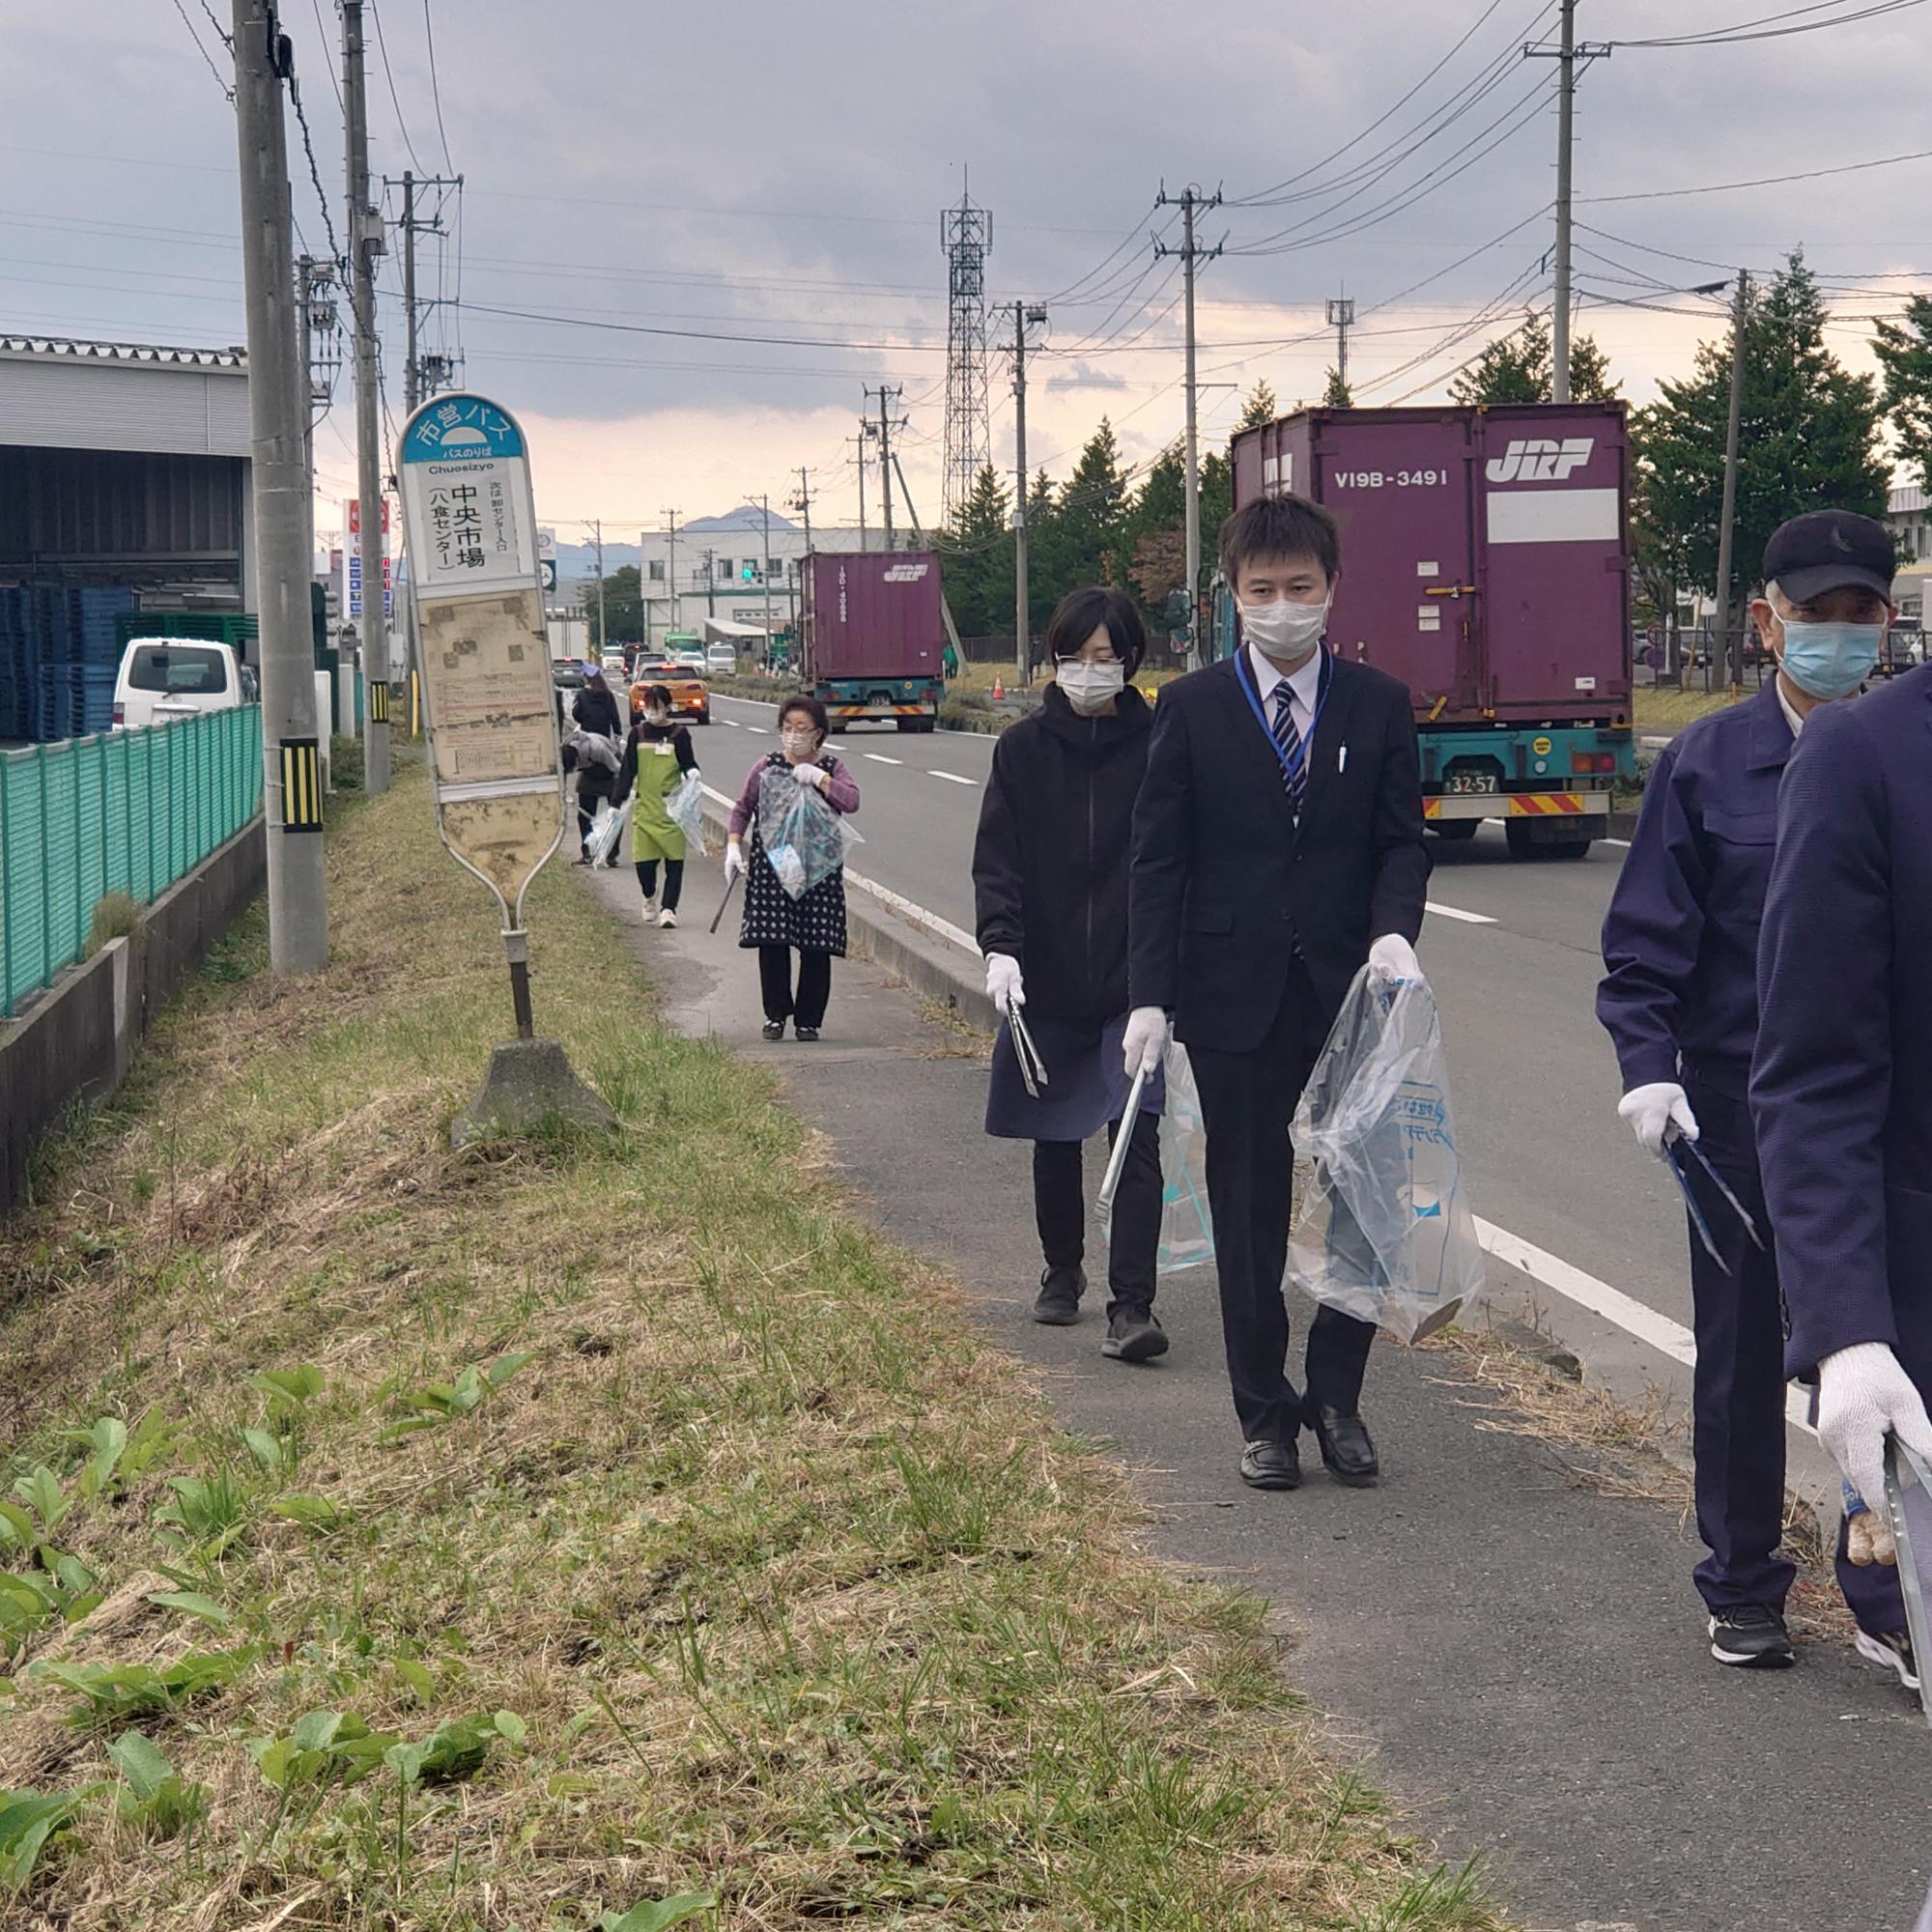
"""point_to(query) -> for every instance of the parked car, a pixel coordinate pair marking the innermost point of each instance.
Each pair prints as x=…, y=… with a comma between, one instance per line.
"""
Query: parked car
x=164, y=678
x=690, y=696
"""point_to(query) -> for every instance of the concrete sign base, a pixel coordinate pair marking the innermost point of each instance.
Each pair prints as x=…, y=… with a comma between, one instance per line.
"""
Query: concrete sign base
x=529, y=1081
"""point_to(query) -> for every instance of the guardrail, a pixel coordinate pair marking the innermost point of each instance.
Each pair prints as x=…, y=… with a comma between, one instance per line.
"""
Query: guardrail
x=125, y=812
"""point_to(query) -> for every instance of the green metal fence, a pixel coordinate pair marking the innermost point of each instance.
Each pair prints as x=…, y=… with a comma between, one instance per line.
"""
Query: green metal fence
x=128, y=812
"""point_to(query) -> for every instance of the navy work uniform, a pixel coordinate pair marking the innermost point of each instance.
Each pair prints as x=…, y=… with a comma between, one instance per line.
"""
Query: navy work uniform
x=1679, y=1000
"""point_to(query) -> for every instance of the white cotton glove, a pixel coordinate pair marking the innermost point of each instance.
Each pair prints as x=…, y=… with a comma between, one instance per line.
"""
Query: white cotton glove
x=1654, y=1109
x=810, y=775
x=1146, y=1040
x=1004, y=985
x=1392, y=961
x=734, y=862
x=1864, y=1396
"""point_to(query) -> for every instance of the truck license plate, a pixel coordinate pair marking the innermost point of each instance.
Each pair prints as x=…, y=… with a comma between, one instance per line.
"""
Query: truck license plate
x=1468, y=782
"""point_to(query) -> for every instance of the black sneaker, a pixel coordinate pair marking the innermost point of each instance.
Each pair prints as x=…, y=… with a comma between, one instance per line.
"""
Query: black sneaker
x=773, y=1029
x=1058, y=1302
x=1133, y=1335
x=1895, y=1651
x=1752, y=1636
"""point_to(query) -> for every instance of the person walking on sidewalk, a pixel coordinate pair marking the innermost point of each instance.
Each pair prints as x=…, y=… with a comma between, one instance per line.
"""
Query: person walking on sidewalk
x=1277, y=846
x=657, y=756
x=776, y=924
x=595, y=712
x=1051, y=889
x=1679, y=1000
x=1841, y=1078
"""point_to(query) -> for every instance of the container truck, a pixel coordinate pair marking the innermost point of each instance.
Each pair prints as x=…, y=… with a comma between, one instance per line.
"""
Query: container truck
x=873, y=633
x=1485, y=562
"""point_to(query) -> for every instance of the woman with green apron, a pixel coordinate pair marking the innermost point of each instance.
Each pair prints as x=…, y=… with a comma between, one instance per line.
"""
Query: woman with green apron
x=656, y=755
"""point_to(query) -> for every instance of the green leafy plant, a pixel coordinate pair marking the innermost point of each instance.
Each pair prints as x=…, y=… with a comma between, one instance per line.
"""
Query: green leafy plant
x=439, y=1402
x=28, y=1821
x=154, y=1798
x=657, y=1915
x=120, y=1691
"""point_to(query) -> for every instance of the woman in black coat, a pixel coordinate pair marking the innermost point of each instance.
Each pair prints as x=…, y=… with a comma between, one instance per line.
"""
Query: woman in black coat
x=1050, y=886
x=595, y=710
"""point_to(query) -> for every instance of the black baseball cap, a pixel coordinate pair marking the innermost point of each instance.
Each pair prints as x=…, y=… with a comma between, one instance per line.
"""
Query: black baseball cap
x=1826, y=549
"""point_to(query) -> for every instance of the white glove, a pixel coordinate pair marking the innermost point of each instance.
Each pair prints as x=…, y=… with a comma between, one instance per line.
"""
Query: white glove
x=1654, y=1109
x=1003, y=987
x=1864, y=1396
x=734, y=862
x=810, y=775
x=1392, y=959
x=1146, y=1040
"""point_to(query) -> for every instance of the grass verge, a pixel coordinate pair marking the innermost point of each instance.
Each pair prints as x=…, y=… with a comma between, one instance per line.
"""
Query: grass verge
x=516, y=1539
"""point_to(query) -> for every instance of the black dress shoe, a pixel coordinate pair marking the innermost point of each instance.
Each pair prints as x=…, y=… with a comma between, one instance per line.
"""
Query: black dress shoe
x=1057, y=1305
x=1348, y=1449
x=1271, y=1466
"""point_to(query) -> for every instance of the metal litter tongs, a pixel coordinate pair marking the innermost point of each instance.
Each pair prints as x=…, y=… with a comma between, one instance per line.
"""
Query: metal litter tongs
x=1033, y=1069
x=1678, y=1145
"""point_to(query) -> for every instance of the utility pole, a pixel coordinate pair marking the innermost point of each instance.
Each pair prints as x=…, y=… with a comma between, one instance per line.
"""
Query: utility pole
x=365, y=244
x=1566, y=53
x=1731, y=645
x=1191, y=203
x=670, y=580
x=1341, y=319
x=1024, y=314
x=765, y=504
x=859, y=441
x=278, y=417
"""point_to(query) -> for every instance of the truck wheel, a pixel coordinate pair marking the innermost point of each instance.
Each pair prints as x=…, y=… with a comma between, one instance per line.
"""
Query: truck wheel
x=1456, y=829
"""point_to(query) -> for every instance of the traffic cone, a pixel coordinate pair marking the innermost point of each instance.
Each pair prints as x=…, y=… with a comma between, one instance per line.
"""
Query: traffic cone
x=999, y=689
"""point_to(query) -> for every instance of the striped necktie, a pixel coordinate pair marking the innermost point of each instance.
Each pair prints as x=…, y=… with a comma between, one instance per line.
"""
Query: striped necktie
x=1293, y=763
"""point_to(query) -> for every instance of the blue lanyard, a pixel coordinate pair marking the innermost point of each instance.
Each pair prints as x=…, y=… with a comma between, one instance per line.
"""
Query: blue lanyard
x=1244, y=675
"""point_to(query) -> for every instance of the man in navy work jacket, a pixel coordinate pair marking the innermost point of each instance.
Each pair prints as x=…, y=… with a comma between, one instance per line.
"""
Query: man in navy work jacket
x=1277, y=845
x=1841, y=1084
x=1679, y=999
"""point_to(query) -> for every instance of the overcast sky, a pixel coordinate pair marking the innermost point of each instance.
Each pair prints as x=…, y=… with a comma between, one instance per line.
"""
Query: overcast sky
x=758, y=169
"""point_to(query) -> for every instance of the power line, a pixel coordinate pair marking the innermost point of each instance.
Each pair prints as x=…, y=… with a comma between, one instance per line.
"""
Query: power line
x=435, y=91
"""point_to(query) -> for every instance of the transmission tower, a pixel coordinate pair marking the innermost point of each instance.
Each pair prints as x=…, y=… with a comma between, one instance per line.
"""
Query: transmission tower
x=966, y=240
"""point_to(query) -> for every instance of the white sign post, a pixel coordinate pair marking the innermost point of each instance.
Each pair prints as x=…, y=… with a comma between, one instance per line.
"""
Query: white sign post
x=496, y=767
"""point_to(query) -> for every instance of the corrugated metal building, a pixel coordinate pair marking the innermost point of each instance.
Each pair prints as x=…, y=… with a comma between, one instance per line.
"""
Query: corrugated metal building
x=127, y=465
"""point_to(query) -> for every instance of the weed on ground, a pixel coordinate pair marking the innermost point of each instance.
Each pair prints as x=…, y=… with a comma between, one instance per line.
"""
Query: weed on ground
x=589, y=1529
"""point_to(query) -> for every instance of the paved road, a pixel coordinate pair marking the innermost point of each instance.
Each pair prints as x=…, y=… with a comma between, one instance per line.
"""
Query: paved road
x=1519, y=1656
x=1534, y=1079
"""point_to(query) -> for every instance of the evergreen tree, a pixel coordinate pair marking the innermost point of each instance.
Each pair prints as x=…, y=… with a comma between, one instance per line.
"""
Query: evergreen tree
x=1337, y=395
x=1905, y=355
x=1516, y=368
x=1808, y=437
x=977, y=559
x=1260, y=408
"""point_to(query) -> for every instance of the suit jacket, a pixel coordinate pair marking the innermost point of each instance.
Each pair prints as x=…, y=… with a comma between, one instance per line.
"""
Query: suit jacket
x=1841, y=1084
x=1224, y=883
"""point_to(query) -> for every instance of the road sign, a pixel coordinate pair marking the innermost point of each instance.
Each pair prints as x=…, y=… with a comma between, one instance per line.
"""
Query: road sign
x=491, y=717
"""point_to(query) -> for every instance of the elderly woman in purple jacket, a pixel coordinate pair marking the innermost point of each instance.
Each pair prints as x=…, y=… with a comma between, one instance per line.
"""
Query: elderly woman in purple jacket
x=814, y=924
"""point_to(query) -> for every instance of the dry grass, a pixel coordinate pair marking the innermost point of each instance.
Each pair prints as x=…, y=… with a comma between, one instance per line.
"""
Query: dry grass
x=789, y=1592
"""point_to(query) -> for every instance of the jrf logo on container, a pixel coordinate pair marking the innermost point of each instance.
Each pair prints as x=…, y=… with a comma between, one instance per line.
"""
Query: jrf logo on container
x=1540, y=460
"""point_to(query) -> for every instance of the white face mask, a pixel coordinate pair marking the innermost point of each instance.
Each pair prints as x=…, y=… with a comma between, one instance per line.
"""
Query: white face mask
x=1283, y=631
x=798, y=744
x=1091, y=687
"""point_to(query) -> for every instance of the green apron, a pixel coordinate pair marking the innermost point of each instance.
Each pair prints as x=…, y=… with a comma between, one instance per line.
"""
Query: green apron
x=654, y=834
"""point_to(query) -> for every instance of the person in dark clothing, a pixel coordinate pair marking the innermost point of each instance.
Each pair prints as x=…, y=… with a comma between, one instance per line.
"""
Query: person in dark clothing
x=595, y=711
x=656, y=756
x=1050, y=887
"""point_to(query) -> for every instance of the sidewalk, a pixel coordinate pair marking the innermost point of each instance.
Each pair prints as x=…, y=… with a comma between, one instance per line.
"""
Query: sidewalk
x=1517, y=1655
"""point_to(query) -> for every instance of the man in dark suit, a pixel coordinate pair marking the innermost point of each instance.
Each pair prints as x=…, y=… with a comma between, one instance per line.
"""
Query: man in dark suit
x=1278, y=844
x=1841, y=1081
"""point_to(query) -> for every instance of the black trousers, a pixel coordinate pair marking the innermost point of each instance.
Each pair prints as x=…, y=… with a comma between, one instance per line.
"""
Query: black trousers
x=1247, y=1104
x=647, y=881
x=807, y=1009
x=1059, y=1211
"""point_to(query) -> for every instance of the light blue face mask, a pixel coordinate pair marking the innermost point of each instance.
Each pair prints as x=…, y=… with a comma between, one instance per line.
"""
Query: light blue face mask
x=1830, y=660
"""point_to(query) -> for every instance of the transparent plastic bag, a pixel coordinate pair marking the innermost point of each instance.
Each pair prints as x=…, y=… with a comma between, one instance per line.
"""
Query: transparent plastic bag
x=804, y=839
x=1385, y=1230
x=607, y=828
x=684, y=806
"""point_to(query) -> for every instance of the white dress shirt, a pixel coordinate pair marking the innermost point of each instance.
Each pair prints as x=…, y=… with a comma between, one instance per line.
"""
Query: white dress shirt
x=1304, y=687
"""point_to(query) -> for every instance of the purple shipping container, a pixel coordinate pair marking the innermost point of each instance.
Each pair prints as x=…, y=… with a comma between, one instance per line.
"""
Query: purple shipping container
x=1484, y=551
x=871, y=613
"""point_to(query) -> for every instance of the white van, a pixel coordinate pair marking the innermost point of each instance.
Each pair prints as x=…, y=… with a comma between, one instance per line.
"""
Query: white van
x=163, y=678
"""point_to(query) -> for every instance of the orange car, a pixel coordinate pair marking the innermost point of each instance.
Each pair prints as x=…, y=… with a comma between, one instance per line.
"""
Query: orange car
x=690, y=696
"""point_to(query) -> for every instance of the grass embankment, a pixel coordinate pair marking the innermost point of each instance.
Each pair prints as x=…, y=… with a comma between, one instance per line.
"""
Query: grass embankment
x=1668, y=709
x=400, y=1539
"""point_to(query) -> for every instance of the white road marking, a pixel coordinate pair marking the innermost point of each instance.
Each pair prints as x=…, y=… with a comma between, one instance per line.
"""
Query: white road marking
x=880, y=758
x=953, y=776
x=1457, y=912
